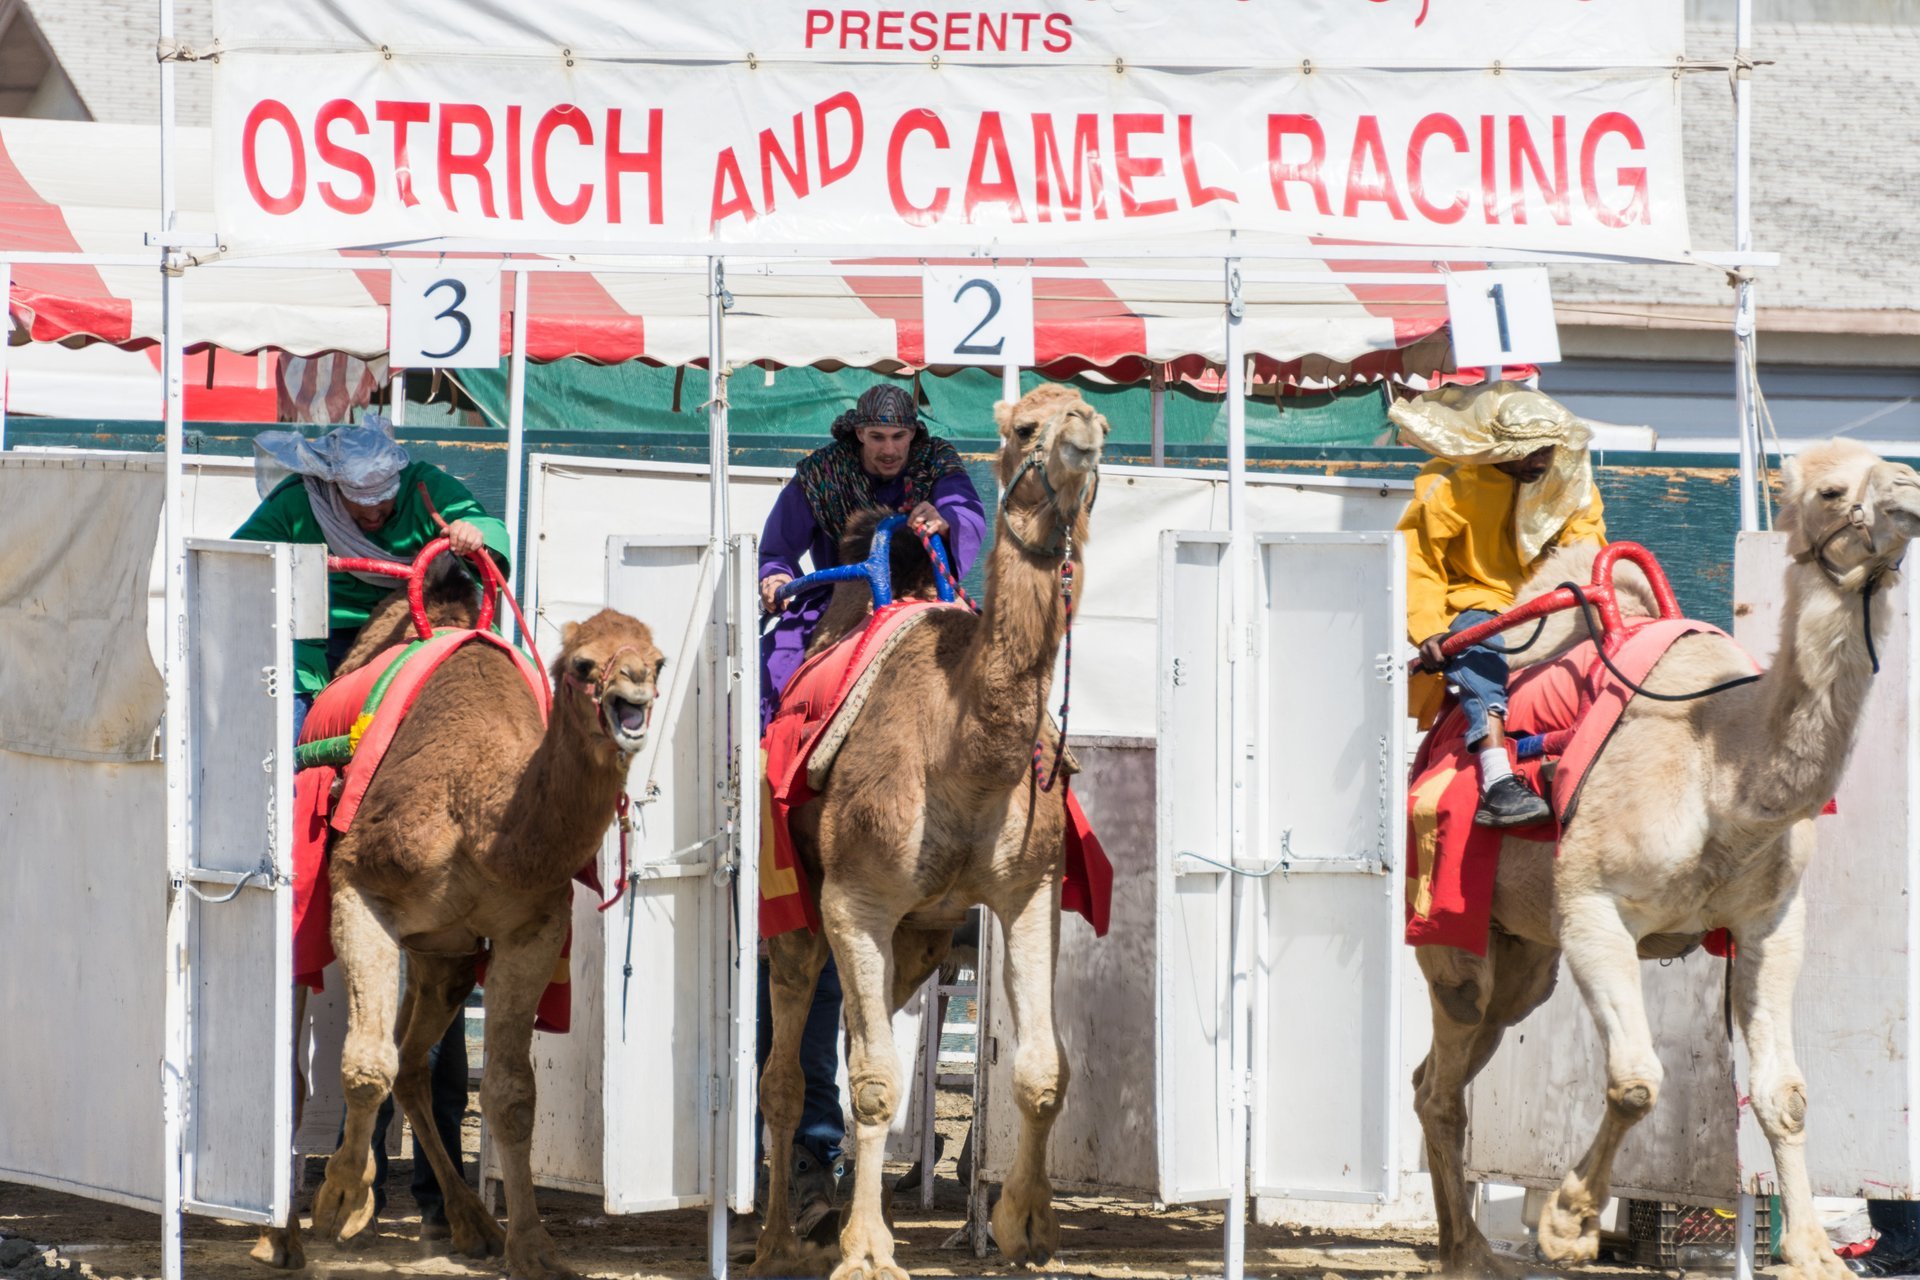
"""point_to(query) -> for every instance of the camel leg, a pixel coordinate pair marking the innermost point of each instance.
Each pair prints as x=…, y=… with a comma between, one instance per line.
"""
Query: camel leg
x=1474, y=1001
x=1024, y=1224
x=517, y=974
x=794, y=961
x=370, y=960
x=437, y=989
x=861, y=932
x=1764, y=974
x=280, y=1247
x=1605, y=960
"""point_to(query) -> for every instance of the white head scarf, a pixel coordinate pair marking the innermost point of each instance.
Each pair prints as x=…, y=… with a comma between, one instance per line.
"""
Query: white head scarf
x=363, y=461
x=359, y=464
x=1504, y=422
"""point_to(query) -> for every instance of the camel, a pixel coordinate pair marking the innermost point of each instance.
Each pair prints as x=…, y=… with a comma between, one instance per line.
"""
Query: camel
x=932, y=807
x=472, y=829
x=1698, y=815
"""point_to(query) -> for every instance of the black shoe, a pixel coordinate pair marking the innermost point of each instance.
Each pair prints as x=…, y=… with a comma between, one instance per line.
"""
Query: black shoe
x=1511, y=803
x=1879, y=1261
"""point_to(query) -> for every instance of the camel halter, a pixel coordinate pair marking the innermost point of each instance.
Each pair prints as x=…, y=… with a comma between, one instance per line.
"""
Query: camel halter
x=1059, y=547
x=1061, y=550
x=1855, y=521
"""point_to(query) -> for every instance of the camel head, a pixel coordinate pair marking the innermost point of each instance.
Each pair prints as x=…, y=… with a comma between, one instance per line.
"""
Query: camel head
x=1849, y=511
x=607, y=677
x=1050, y=442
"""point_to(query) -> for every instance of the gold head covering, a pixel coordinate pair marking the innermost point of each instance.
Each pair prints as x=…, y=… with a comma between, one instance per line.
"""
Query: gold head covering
x=1504, y=422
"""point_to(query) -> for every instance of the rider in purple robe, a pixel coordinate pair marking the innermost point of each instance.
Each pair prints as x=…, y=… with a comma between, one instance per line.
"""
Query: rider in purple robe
x=881, y=457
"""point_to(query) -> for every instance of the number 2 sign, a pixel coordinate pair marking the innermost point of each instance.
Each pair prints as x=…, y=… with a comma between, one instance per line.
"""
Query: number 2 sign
x=1502, y=317
x=445, y=314
x=977, y=315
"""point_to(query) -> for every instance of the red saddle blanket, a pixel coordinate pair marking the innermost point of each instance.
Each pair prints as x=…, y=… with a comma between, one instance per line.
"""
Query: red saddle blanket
x=340, y=710
x=1451, y=862
x=816, y=694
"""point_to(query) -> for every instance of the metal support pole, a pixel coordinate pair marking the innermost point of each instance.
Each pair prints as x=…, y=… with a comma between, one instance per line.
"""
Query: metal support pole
x=516, y=423
x=729, y=756
x=1010, y=383
x=174, y=1064
x=1157, y=410
x=1243, y=891
x=933, y=1013
x=396, y=395
x=1743, y=1246
x=1745, y=363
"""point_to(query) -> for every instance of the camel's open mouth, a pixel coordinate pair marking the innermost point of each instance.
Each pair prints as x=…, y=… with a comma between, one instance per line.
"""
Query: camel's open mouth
x=628, y=721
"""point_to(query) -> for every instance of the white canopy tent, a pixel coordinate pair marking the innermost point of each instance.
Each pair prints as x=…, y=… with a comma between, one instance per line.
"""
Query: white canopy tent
x=1317, y=306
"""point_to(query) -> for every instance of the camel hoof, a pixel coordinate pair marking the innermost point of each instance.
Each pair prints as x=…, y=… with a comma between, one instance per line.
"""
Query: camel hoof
x=1566, y=1237
x=1478, y=1261
x=473, y=1230
x=869, y=1267
x=280, y=1249
x=532, y=1256
x=1025, y=1227
x=1812, y=1257
x=342, y=1211
x=790, y=1259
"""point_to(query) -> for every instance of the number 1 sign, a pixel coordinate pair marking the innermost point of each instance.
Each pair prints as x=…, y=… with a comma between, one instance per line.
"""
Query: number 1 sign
x=445, y=314
x=1502, y=317
x=977, y=315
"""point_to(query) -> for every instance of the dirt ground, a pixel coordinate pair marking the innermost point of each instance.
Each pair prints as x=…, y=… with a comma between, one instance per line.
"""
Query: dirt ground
x=1099, y=1237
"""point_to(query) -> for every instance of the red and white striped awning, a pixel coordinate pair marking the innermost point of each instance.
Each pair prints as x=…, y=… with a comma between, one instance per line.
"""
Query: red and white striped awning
x=94, y=189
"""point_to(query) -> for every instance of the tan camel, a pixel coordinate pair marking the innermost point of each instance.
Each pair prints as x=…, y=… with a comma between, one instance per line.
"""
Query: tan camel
x=471, y=831
x=1697, y=816
x=931, y=808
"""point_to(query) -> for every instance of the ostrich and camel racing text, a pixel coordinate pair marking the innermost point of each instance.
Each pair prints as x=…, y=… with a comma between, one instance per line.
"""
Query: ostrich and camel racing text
x=340, y=122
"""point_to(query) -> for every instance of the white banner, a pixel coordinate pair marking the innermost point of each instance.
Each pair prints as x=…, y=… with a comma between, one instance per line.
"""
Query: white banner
x=1526, y=123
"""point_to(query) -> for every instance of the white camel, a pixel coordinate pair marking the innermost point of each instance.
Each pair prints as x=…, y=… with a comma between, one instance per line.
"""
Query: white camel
x=1699, y=815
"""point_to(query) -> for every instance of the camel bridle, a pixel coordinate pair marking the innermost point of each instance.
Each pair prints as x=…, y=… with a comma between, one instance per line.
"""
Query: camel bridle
x=1061, y=545
x=1878, y=563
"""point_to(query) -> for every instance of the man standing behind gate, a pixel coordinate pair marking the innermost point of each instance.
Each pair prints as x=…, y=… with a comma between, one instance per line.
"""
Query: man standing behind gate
x=1510, y=481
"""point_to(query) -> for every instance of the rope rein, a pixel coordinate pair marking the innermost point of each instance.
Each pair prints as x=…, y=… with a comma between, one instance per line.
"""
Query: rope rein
x=1066, y=683
x=1600, y=648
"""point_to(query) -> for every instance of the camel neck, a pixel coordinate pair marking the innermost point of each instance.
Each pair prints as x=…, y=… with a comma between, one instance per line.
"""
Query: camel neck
x=1813, y=695
x=1010, y=664
x=559, y=812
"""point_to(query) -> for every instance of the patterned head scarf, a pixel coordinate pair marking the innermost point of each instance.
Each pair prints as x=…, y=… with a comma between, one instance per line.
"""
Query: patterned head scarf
x=1504, y=422
x=881, y=405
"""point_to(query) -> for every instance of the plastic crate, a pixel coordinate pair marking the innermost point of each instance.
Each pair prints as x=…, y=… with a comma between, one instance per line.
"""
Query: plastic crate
x=1658, y=1230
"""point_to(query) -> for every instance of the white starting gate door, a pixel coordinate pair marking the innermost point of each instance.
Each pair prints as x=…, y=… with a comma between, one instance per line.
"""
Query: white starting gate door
x=246, y=602
x=1328, y=822
x=1325, y=829
x=648, y=1101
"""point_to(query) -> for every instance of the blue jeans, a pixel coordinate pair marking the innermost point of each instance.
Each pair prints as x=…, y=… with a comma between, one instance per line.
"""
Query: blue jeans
x=1898, y=1222
x=823, y=1129
x=1478, y=676
x=447, y=1074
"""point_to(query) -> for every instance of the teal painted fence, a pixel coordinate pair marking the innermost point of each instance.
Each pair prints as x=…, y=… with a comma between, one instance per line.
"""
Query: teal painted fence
x=1682, y=506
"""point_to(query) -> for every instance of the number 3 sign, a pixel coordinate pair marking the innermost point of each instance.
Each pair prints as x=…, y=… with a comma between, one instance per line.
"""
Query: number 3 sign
x=977, y=315
x=445, y=314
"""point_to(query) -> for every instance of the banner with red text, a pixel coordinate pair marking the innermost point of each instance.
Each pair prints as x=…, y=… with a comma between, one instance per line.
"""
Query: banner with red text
x=1545, y=124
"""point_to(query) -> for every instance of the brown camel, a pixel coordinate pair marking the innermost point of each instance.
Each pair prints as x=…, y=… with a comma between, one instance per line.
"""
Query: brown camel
x=1699, y=815
x=471, y=832
x=932, y=807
